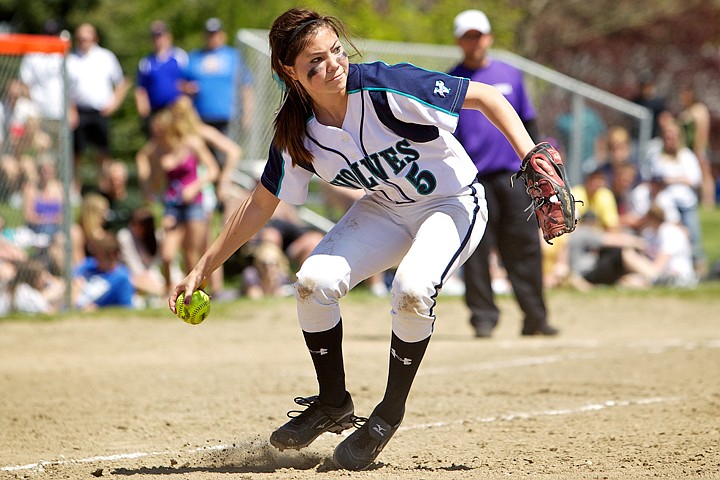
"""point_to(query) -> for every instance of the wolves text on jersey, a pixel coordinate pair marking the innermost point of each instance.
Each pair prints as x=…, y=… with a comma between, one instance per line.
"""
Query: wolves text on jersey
x=366, y=172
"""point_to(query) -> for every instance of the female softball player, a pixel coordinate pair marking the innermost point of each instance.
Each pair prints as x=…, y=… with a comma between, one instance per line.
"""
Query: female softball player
x=388, y=131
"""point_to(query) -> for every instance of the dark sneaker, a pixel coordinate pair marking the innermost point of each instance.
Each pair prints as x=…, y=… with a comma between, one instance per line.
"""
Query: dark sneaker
x=306, y=425
x=546, y=330
x=483, y=330
x=361, y=448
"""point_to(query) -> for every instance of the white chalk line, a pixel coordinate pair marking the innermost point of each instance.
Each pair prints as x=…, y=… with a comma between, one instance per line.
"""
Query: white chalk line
x=591, y=350
x=592, y=407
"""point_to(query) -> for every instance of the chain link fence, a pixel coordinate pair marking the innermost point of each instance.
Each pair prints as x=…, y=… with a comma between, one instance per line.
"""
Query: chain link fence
x=35, y=174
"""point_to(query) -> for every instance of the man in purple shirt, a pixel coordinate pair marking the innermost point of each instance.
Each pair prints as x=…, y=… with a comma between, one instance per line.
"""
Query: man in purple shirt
x=515, y=239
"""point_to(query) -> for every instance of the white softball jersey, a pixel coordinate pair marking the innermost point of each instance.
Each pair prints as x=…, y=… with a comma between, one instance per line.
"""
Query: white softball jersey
x=396, y=141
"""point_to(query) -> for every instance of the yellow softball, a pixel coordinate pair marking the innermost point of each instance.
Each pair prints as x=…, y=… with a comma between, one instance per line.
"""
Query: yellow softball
x=196, y=311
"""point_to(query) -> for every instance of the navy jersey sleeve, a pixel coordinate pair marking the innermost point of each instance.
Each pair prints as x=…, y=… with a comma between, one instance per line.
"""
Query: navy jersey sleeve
x=287, y=182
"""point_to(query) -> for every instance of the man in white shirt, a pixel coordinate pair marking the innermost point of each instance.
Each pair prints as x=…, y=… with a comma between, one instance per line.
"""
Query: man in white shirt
x=42, y=73
x=97, y=89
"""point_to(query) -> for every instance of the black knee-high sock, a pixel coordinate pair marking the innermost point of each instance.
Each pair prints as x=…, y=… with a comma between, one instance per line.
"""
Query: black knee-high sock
x=326, y=352
x=405, y=360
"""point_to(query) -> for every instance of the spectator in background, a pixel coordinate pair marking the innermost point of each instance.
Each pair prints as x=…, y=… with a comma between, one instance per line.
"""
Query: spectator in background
x=269, y=273
x=174, y=156
x=101, y=280
x=647, y=96
x=44, y=199
x=35, y=290
x=680, y=169
x=617, y=151
x=159, y=74
x=191, y=124
x=18, y=110
x=42, y=73
x=645, y=195
x=595, y=197
x=214, y=74
x=593, y=131
x=94, y=210
x=516, y=239
x=97, y=89
x=597, y=256
x=113, y=185
x=623, y=181
x=694, y=119
x=140, y=252
x=668, y=251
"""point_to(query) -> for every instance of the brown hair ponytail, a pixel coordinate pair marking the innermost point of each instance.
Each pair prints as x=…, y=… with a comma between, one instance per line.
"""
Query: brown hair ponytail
x=289, y=35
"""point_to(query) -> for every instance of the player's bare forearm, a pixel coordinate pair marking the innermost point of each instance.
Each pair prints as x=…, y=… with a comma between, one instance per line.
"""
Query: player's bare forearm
x=500, y=112
x=242, y=225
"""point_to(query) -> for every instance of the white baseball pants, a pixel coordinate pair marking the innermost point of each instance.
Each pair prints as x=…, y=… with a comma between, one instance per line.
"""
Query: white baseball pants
x=427, y=241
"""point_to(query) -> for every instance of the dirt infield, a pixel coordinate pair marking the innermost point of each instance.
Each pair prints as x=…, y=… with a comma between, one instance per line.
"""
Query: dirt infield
x=631, y=389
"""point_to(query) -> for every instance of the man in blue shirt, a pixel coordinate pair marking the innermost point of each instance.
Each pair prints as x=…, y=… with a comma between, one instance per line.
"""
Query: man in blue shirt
x=159, y=73
x=214, y=76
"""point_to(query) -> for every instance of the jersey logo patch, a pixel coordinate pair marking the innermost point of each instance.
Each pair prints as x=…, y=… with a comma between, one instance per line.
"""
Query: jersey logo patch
x=440, y=89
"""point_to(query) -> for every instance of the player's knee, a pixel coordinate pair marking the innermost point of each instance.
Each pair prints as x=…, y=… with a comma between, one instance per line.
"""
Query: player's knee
x=322, y=279
x=411, y=295
x=412, y=301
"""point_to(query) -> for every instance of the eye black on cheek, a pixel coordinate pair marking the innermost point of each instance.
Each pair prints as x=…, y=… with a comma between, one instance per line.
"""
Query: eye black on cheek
x=313, y=71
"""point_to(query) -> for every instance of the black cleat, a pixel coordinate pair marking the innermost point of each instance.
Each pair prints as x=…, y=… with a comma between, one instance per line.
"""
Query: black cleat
x=483, y=330
x=306, y=425
x=361, y=448
x=545, y=330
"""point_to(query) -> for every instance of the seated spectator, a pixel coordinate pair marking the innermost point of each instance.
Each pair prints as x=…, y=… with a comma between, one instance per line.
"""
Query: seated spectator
x=644, y=196
x=15, y=172
x=10, y=251
x=101, y=280
x=18, y=108
x=623, y=180
x=43, y=200
x=594, y=196
x=8, y=272
x=113, y=185
x=680, y=170
x=597, y=207
x=600, y=257
x=35, y=290
x=140, y=253
x=33, y=141
x=269, y=273
x=668, y=251
x=90, y=225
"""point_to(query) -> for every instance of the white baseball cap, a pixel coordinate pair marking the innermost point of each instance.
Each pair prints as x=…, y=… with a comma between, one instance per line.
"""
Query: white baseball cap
x=471, y=20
